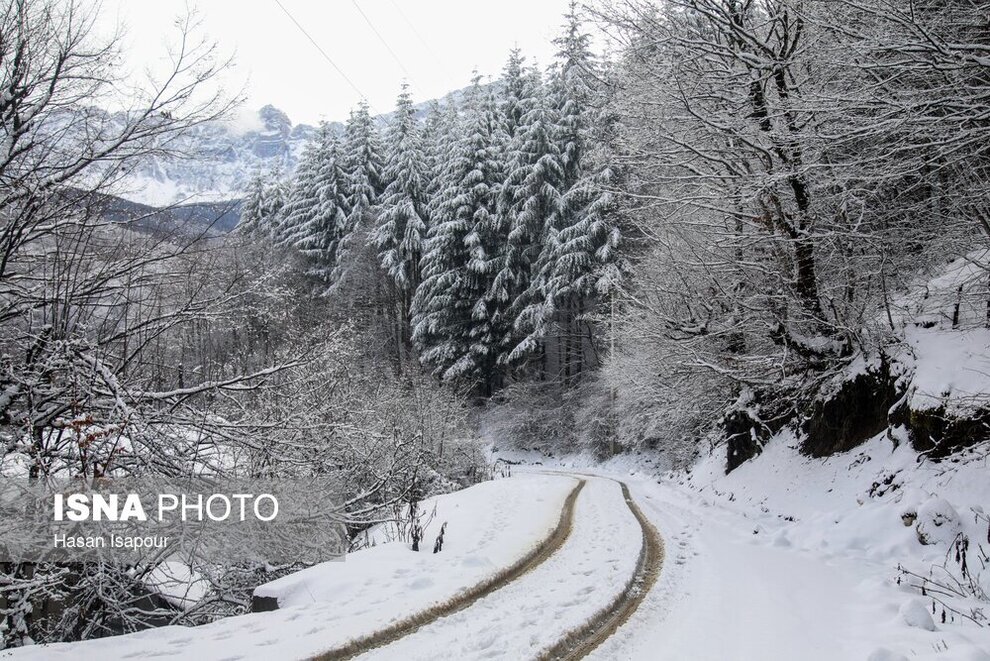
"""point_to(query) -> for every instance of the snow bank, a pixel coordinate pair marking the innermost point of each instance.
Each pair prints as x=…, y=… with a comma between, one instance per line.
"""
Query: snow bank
x=933, y=298
x=859, y=516
x=178, y=583
x=487, y=530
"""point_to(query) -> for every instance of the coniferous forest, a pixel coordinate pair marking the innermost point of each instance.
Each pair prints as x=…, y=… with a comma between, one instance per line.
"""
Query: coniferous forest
x=479, y=236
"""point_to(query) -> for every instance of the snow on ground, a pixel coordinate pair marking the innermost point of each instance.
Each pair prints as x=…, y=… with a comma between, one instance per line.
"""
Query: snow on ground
x=785, y=558
x=943, y=291
x=951, y=369
x=489, y=526
x=792, y=558
x=532, y=613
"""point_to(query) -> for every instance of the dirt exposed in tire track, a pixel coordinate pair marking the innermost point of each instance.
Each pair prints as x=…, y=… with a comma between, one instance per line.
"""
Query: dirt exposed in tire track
x=464, y=599
x=582, y=641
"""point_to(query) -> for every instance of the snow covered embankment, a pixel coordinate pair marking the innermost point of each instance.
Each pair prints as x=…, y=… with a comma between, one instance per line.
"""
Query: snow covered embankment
x=789, y=557
x=489, y=527
x=858, y=516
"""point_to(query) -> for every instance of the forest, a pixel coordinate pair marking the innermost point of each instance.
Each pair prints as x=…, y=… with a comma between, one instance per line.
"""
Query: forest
x=711, y=232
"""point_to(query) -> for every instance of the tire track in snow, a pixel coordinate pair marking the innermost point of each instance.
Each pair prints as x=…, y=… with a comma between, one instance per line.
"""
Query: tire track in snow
x=409, y=625
x=582, y=641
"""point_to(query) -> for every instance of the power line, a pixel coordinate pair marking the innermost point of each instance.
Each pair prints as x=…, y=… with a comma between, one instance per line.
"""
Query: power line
x=418, y=36
x=322, y=52
x=384, y=43
x=426, y=45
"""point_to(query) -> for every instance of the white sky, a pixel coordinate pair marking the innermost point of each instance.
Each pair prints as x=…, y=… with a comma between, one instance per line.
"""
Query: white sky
x=439, y=43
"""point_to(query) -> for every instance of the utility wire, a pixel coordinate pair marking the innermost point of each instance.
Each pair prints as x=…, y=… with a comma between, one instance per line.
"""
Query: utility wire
x=426, y=44
x=384, y=43
x=322, y=52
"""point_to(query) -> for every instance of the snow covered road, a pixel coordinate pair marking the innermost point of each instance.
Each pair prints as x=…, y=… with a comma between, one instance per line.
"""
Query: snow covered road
x=532, y=614
x=781, y=561
x=722, y=595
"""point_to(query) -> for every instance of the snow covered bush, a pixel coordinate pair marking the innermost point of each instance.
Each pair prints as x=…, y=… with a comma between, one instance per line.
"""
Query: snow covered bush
x=937, y=522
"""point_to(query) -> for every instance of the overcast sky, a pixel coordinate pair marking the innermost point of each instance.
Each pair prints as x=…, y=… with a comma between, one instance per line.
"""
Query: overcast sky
x=436, y=44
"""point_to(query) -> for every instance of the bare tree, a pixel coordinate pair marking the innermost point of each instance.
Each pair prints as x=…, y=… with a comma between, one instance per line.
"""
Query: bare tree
x=792, y=164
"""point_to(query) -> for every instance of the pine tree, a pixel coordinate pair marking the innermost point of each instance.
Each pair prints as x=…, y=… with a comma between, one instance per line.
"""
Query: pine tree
x=528, y=207
x=517, y=93
x=364, y=170
x=583, y=249
x=583, y=240
x=303, y=192
x=402, y=224
x=273, y=203
x=572, y=91
x=439, y=137
x=363, y=157
x=452, y=324
x=579, y=238
x=319, y=216
x=520, y=89
x=250, y=218
x=486, y=242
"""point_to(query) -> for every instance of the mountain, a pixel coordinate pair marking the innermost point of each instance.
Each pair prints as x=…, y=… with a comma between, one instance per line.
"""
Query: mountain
x=219, y=159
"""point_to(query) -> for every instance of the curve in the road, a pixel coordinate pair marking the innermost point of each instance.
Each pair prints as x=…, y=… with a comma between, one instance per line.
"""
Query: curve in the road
x=527, y=563
x=583, y=640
